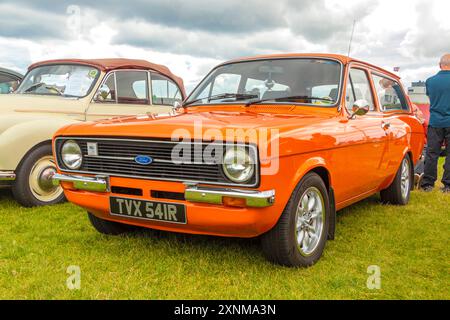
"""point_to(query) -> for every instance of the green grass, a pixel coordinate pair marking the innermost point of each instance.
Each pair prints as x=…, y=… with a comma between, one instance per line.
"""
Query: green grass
x=410, y=244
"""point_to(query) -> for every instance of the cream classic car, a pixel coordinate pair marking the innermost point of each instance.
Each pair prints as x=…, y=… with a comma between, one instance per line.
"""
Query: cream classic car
x=62, y=92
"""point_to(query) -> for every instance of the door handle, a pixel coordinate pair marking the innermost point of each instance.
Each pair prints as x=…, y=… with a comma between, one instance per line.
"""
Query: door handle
x=385, y=125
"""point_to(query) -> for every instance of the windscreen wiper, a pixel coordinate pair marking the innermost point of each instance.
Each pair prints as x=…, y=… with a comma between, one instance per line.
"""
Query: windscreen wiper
x=237, y=96
x=289, y=98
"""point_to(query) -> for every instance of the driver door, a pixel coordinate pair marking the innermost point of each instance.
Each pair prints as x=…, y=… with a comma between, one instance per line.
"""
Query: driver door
x=366, y=149
x=124, y=93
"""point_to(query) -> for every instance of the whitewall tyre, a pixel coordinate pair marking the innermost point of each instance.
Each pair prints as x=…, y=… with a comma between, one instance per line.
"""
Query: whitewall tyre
x=33, y=185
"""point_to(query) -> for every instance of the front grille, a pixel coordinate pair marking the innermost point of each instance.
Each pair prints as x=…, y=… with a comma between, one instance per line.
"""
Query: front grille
x=116, y=157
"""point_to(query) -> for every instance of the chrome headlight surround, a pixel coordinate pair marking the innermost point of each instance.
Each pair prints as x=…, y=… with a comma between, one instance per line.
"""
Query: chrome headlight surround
x=239, y=165
x=71, y=155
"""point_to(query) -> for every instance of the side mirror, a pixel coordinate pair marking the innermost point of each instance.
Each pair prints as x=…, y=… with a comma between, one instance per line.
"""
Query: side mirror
x=360, y=108
x=102, y=93
x=177, y=105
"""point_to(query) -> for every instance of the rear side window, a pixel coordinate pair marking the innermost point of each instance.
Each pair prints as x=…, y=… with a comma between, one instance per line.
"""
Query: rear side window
x=390, y=94
x=164, y=91
x=358, y=88
x=132, y=87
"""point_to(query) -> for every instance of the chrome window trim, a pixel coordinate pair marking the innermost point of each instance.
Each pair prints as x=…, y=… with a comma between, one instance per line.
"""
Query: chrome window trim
x=251, y=147
x=368, y=73
x=105, y=78
x=337, y=104
x=116, y=87
x=150, y=88
x=169, y=80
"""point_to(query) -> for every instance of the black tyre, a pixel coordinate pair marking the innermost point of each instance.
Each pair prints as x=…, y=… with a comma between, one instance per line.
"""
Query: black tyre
x=399, y=191
x=299, y=237
x=33, y=186
x=108, y=227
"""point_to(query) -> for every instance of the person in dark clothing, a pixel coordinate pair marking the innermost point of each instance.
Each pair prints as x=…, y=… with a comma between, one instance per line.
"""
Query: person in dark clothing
x=438, y=89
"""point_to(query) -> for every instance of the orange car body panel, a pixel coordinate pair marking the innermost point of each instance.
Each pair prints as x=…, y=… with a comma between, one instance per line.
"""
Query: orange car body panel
x=360, y=158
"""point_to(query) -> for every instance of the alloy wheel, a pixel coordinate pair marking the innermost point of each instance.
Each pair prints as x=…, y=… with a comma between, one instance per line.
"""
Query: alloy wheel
x=310, y=217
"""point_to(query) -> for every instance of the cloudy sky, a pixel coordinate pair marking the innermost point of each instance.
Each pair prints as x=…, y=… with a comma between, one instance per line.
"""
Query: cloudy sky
x=190, y=37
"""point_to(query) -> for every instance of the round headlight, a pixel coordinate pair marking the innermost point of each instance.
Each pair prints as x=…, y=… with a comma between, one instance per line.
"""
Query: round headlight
x=71, y=155
x=238, y=165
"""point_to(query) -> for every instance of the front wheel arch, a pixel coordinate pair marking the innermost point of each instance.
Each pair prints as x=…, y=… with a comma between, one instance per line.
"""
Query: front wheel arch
x=325, y=175
x=280, y=243
x=40, y=144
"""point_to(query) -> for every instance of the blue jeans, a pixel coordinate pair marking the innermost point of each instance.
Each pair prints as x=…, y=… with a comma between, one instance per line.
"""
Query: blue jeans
x=436, y=137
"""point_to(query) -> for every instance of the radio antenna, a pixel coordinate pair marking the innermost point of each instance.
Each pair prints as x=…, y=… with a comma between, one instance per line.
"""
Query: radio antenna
x=351, y=38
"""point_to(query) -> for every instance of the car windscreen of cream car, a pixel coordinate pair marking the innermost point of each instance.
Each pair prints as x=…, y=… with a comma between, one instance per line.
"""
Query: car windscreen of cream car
x=60, y=92
x=72, y=81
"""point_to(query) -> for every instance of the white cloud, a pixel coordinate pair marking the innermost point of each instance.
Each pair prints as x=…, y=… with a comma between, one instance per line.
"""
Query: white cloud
x=191, y=37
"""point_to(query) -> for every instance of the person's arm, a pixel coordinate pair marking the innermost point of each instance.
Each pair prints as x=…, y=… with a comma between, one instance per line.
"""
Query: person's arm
x=426, y=89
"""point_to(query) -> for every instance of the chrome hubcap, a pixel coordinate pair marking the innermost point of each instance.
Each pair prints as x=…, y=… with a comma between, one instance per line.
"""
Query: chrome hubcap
x=405, y=178
x=45, y=179
x=40, y=180
x=310, y=218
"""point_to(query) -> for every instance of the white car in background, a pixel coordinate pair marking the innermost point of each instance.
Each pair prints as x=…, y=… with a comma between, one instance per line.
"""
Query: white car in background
x=62, y=92
x=9, y=80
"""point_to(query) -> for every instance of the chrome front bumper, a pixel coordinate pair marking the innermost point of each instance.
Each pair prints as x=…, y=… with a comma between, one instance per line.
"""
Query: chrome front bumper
x=193, y=193
x=257, y=199
x=7, y=176
x=95, y=184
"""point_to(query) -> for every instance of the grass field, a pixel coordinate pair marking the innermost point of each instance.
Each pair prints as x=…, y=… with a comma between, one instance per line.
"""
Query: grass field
x=410, y=244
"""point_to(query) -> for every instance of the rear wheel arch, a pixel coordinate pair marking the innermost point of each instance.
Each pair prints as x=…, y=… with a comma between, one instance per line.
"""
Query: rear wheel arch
x=398, y=192
x=411, y=155
x=411, y=159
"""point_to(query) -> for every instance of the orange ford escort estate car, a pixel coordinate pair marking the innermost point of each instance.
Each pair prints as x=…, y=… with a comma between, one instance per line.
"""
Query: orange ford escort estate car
x=268, y=146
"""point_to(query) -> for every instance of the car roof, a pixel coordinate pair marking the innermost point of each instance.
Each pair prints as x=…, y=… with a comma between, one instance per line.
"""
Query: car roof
x=11, y=72
x=116, y=64
x=341, y=58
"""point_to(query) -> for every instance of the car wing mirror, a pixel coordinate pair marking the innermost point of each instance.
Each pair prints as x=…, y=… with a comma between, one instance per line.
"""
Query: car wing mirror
x=177, y=106
x=360, y=108
x=102, y=94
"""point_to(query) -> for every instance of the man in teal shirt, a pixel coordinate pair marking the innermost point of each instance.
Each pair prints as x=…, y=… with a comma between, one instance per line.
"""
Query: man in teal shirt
x=438, y=89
